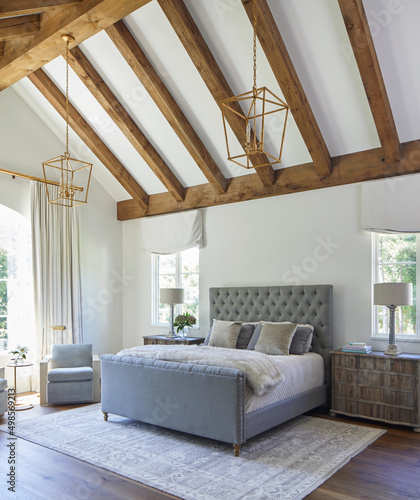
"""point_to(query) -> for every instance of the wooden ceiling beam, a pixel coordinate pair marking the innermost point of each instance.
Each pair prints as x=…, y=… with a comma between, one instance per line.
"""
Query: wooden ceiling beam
x=357, y=26
x=99, y=89
x=58, y=100
x=148, y=76
x=347, y=169
x=17, y=27
x=25, y=7
x=278, y=57
x=82, y=20
x=200, y=54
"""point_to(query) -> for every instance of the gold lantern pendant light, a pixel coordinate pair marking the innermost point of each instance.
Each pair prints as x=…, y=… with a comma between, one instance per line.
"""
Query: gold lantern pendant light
x=259, y=103
x=70, y=175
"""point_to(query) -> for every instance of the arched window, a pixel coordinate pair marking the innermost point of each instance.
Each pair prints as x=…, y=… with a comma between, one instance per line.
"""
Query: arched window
x=16, y=288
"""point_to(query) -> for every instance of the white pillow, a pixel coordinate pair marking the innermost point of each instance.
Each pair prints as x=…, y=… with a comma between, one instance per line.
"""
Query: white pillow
x=275, y=338
x=224, y=333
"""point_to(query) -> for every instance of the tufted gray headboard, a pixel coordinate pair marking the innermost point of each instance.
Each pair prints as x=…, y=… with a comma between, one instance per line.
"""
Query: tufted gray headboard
x=311, y=304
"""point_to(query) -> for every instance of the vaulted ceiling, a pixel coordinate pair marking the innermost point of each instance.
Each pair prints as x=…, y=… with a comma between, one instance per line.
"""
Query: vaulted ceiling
x=147, y=77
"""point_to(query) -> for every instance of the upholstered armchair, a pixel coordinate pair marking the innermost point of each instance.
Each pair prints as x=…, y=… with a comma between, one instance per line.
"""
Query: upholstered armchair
x=3, y=392
x=70, y=375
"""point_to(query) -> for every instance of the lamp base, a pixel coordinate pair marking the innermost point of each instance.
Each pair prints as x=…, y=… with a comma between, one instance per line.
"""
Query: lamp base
x=171, y=335
x=393, y=350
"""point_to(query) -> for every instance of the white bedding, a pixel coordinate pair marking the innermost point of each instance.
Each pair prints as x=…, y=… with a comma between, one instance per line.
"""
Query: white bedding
x=301, y=373
x=263, y=372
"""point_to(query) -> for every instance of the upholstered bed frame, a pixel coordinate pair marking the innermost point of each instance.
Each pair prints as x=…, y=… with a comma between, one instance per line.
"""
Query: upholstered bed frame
x=208, y=401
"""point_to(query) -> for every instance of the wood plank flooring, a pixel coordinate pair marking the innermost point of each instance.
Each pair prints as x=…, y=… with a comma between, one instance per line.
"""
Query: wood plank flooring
x=387, y=470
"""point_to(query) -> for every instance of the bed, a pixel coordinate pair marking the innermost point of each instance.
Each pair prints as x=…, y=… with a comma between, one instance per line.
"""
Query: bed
x=213, y=401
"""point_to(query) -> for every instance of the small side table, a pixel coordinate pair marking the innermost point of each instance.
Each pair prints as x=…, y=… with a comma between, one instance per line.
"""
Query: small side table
x=19, y=406
x=162, y=339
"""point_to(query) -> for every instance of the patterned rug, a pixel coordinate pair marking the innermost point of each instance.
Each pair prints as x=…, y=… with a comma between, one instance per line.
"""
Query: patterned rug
x=285, y=463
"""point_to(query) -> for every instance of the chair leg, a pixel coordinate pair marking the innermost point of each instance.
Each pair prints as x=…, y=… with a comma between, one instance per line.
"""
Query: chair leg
x=105, y=416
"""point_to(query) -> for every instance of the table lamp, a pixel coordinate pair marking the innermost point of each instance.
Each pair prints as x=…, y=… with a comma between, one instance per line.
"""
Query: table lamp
x=392, y=295
x=171, y=296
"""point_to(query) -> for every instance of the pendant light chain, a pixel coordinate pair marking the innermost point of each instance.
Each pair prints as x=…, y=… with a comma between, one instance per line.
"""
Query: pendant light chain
x=67, y=96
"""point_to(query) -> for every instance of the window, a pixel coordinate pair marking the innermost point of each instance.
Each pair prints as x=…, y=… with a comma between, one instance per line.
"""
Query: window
x=396, y=260
x=16, y=286
x=179, y=270
x=3, y=299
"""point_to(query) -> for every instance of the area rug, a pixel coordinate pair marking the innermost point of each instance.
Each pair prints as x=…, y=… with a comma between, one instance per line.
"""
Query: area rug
x=285, y=463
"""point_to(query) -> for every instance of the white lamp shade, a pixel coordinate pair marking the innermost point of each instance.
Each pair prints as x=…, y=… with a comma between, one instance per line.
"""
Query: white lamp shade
x=393, y=294
x=171, y=295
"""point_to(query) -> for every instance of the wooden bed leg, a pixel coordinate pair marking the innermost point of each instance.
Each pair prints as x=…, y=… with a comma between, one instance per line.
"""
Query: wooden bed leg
x=105, y=416
x=237, y=448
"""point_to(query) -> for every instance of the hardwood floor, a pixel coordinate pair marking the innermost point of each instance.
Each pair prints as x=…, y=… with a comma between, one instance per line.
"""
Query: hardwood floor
x=387, y=470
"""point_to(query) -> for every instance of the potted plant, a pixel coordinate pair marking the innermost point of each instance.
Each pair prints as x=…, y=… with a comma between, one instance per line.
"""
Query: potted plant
x=20, y=353
x=183, y=321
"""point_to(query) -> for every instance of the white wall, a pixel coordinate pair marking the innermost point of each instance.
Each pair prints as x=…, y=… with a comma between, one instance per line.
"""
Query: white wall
x=308, y=238
x=24, y=143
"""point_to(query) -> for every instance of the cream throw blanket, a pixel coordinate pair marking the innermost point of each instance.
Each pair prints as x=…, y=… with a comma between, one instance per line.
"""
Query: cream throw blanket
x=262, y=372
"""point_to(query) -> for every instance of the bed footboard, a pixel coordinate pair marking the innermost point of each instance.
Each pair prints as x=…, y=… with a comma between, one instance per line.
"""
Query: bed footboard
x=206, y=401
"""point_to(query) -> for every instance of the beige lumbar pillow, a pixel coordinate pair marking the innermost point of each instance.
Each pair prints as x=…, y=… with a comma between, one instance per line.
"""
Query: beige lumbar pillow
x=276, y=338
x=224, y=333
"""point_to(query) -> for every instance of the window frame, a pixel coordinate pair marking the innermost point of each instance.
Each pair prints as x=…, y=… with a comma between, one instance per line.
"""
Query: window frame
x=155, y=288
x=375, y=279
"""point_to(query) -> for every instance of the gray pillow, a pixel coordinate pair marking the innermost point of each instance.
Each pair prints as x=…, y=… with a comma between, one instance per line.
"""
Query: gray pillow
x=255, y=337
x=206, y=341
x=302, y=339
x=245, y=334
x=275, y=339
x=224, y=333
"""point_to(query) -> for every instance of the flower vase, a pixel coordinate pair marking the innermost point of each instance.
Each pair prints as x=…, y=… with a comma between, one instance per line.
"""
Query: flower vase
x=185, y=332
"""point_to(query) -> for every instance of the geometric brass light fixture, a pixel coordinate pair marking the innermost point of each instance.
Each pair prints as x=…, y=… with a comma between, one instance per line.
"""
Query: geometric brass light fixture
x=258, y=104
x=70, y=175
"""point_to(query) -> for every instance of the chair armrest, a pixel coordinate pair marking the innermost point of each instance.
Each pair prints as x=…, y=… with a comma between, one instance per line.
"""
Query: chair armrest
x=2, y=374
x=43, y=371
x=96, y=365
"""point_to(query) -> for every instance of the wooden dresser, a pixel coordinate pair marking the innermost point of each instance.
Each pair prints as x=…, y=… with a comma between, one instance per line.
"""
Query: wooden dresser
x=377, y=387
x=162, y=339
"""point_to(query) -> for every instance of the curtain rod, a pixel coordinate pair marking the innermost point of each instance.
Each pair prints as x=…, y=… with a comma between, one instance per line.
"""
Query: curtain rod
x=32, y=178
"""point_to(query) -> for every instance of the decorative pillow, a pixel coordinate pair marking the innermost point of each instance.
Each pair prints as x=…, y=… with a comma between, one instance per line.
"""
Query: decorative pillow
x=255, y=337
x=302, y=339
x=245, y=334
x=224, y=333
x=275, y=339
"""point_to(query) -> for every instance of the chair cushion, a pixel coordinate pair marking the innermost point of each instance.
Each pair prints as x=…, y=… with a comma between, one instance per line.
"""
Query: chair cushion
x=76, y=374
x=71, y=355
x=3, y=384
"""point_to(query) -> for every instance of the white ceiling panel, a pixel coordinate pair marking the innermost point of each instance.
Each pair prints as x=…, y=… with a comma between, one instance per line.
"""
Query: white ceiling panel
x=396, y=35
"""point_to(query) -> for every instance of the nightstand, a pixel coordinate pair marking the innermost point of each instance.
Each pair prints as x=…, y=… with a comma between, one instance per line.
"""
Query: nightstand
x=162, y=339
x=377, y=387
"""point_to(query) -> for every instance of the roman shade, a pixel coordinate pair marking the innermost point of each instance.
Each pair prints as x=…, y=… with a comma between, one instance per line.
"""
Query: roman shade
x=392, y=205
x=172, y=233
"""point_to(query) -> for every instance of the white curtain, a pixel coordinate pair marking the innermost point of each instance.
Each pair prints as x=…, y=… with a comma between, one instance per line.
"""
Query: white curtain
x=56, y=269
x=392, y=205
x=173, y=233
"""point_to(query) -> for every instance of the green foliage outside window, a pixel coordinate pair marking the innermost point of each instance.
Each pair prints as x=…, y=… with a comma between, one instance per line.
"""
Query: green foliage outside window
x=397, y=262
